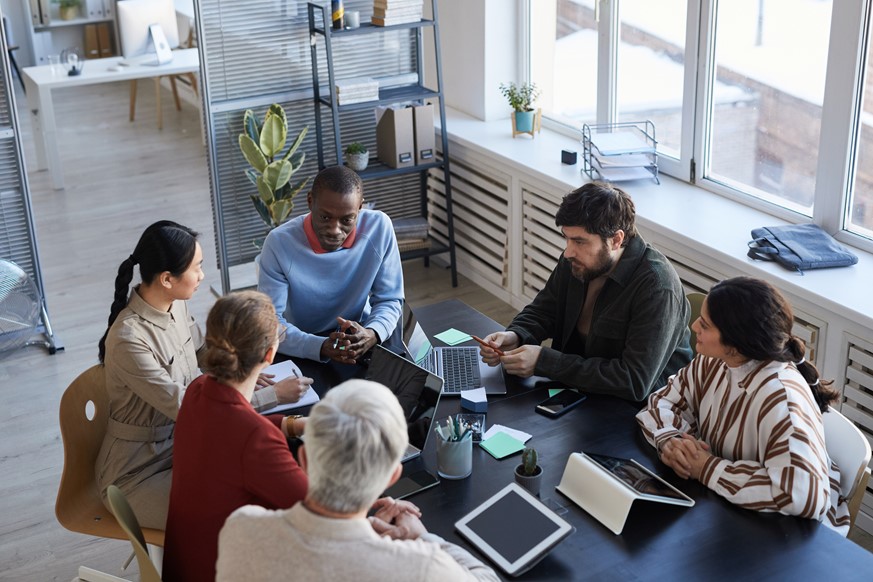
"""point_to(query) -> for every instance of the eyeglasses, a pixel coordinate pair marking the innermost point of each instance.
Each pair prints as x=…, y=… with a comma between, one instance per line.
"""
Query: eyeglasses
x=283, y=331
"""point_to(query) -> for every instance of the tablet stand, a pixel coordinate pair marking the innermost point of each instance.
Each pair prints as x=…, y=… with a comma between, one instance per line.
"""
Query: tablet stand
x=595, y=491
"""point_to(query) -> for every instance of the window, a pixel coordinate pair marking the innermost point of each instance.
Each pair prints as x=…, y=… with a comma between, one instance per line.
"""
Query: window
x=652, y=42
x=860, y=206
x=770, y=61
x=763, y=101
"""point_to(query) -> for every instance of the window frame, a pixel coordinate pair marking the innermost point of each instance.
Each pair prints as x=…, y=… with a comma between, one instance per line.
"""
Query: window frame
x=840, y=123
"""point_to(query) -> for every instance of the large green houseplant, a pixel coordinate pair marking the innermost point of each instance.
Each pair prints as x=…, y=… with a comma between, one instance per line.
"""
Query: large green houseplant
x=262, y=143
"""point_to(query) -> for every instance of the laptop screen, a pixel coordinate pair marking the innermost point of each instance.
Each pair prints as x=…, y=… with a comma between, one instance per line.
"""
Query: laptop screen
x=414, y=339
x=417, y=390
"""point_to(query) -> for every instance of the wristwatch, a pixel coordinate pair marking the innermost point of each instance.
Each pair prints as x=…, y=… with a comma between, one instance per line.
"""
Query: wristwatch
x=290, y=427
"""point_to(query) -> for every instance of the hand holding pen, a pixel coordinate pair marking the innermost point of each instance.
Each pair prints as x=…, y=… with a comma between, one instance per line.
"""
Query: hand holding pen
x=485, y=344
x=349, y=342
x=292, y=388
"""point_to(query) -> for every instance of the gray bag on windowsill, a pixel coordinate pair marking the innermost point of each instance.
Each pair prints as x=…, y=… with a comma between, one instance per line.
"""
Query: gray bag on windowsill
x=798, y=247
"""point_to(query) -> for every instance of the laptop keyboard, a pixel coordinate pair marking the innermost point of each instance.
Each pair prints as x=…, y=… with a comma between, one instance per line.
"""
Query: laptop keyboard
x=460, y=369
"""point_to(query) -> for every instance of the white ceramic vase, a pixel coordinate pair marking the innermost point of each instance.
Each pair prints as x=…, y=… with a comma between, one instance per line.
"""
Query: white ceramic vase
x=358, y=162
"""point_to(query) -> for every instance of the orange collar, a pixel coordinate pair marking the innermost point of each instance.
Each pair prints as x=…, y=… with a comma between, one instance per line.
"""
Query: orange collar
x=313, y=239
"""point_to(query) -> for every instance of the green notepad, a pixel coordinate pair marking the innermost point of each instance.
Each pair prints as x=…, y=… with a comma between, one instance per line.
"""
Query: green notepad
x=502, y=445
x=453, y=337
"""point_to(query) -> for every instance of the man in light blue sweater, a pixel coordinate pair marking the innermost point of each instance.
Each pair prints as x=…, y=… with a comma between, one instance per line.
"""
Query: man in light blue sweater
x=334, y=275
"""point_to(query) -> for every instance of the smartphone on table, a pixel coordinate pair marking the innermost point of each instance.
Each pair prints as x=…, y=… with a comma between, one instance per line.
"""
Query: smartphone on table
x=560, y=403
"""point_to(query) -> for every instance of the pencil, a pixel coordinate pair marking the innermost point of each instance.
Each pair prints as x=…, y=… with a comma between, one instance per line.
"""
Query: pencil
x=489, y=346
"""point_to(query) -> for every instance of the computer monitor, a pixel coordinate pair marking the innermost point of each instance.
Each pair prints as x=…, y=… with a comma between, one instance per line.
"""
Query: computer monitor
x=134, y=19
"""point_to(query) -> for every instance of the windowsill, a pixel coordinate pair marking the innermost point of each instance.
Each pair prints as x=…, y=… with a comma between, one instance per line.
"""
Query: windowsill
x=707, y=224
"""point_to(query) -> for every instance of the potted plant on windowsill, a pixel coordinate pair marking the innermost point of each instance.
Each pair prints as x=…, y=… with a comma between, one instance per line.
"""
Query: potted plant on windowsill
x=262, y=144
x=529, y=474
x=521, y=97
x=357, y=156
x=68, y=9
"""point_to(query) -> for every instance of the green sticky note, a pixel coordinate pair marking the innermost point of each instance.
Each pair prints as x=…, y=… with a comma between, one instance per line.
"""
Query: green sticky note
x=453, y=337
x=502, y=445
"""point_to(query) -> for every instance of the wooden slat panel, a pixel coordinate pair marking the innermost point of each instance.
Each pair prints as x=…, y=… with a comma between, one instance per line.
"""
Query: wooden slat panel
x=810, y=334
x=481, y=207
x=861, y=357
x=857, y=398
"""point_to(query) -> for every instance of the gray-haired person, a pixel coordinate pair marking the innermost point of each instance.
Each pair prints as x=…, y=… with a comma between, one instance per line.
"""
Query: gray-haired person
x=355, y=437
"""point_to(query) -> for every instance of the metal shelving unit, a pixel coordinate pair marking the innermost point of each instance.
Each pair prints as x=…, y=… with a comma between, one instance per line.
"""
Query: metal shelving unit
x=320, y=26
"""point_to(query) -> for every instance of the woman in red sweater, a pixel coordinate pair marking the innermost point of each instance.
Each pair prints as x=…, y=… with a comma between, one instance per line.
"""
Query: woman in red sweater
x=226, y=455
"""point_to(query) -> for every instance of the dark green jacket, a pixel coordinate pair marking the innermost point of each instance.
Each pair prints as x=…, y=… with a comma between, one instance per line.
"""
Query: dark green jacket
x=639, y=330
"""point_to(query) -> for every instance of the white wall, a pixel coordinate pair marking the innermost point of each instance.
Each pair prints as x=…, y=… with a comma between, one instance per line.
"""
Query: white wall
x=479, y=51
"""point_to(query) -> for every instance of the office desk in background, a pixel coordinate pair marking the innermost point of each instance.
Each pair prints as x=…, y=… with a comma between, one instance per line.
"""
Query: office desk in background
x=42, y=81
x=712, y=540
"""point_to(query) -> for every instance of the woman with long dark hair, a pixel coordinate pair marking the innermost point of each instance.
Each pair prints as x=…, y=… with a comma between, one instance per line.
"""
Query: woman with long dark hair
x=744, y=417
x=149, y=352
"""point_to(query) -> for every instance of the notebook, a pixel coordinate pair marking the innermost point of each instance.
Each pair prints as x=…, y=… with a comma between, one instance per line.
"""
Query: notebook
x=418, y=392
x=460, y=367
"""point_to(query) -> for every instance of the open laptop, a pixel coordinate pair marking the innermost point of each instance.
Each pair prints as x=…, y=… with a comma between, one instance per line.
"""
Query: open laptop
x=460, y=367
x=419, y=394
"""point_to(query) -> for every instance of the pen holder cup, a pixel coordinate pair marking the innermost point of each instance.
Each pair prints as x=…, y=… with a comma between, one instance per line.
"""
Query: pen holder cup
x=455, y=458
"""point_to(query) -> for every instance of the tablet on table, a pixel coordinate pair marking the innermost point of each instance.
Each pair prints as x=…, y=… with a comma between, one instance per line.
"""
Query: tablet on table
x=513, y=529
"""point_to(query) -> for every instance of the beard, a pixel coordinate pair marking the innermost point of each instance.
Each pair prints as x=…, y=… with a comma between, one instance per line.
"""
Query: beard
x=605, y=263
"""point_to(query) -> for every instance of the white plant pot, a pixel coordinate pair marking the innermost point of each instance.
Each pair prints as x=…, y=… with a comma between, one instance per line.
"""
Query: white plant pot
x=358, y=162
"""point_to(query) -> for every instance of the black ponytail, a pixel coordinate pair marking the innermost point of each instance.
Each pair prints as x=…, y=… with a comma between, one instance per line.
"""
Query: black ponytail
x=164, y=246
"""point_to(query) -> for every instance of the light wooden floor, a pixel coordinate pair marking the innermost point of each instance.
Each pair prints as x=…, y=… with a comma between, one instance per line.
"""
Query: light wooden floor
x=120, y=178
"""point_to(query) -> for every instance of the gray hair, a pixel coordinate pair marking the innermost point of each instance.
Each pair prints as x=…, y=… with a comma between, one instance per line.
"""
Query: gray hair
x=355, y=437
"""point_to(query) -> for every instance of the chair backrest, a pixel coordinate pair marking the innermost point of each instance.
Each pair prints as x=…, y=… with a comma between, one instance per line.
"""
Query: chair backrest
x=696, y=301
x=84, y=412
x=127, y=519
x=849, y=449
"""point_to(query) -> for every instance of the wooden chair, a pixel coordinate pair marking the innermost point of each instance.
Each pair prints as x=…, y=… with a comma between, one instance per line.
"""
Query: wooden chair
x=849, y=449
x=696, y=301
x=127, y=519
x=187, y=78
x=79, y=507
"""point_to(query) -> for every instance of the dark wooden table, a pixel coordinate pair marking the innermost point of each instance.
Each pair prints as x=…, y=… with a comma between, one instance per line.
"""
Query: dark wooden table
x=710, y=541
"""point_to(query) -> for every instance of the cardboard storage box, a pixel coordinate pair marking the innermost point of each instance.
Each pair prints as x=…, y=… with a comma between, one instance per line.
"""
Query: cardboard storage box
x=394, y=138
x=422, y=118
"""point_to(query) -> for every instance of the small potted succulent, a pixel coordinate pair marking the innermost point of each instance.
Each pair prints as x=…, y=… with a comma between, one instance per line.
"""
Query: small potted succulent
x=357, y=156
x=529, y=474
x=521, y=98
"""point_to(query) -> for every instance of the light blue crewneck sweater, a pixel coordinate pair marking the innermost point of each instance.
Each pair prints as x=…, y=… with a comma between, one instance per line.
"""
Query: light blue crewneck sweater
x=363, y=283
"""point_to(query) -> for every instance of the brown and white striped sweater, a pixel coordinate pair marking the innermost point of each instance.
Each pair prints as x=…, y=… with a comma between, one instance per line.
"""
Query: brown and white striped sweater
x=764, y=430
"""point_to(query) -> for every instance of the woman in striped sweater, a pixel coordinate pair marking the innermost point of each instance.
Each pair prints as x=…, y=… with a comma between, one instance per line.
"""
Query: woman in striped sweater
x=744, y=417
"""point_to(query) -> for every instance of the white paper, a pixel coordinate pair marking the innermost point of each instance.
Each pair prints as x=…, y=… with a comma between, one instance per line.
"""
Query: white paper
x=496, y=428
x=281, y=371
x=621, y=142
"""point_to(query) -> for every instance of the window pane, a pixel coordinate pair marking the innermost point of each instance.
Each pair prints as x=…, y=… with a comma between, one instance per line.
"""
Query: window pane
x=771, y=57
x=653, y=47
x=564, y=59
x=860, y=208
